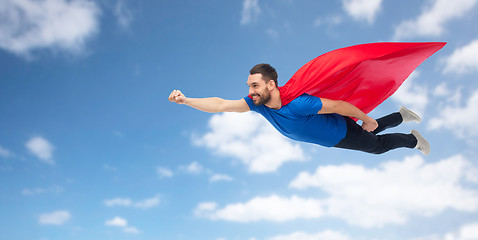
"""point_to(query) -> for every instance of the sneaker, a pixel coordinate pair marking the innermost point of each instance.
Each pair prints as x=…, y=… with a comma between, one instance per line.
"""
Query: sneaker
x=422, y=143
x=409, y=116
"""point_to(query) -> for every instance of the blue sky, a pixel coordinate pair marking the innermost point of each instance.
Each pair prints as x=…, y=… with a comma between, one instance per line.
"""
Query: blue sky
x=90, y=147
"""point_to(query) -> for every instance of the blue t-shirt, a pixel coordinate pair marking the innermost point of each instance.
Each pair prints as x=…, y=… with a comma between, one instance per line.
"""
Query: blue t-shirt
x=299, y=120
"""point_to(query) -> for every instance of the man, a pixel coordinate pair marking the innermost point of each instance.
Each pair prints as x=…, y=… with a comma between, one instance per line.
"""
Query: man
x=312, y=119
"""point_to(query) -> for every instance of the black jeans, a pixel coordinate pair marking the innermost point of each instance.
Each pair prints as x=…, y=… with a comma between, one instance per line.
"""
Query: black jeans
x=359, y=139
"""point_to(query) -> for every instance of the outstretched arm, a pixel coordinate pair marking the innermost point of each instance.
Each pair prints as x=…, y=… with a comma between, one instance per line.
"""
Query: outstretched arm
x=346, y=109
x=211, y=105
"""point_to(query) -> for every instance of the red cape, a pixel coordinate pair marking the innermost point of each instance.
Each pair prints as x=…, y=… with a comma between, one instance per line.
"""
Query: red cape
x=363, y=75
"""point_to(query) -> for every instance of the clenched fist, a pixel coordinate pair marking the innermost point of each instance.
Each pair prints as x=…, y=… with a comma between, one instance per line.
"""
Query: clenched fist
x=177, y=97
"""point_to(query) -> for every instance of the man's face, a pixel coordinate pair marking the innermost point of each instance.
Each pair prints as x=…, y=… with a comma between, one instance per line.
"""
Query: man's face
x=258, y=89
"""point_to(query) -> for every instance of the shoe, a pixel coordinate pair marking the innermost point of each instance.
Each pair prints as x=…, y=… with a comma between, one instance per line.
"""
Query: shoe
x=422, y=143
x=409, y=116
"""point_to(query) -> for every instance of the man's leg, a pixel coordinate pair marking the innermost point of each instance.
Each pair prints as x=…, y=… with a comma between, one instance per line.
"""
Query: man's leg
x=388, y=121
x=394, y=119
x=359, y=139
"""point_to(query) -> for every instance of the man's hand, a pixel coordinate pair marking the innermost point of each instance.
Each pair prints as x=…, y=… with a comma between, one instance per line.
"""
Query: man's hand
x=369, y=125
x=177, y=97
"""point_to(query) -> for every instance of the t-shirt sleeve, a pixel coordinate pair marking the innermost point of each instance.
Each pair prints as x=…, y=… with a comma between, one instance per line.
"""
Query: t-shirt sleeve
x=309, y=105
x=251, y=104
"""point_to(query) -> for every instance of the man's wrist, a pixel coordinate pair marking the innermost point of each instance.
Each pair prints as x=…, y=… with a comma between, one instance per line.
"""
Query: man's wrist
x=186, y=100
x=367, y=119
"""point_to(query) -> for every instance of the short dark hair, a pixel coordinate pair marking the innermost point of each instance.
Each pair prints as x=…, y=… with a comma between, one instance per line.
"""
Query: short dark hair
x=268, y=72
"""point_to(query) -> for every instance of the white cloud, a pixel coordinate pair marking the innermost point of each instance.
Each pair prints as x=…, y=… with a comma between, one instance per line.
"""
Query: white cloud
x=250, y=11
x=41, y=148
x=117, y=222
x=28, y=25
x=272, y=208
x=123, y=223
x=5, y=152
x=131, y=230
x=250, y=138
x=330, y=20
x=164, y=172
x=432, y=20
x=123, y=14
x=325, y=235
x=461, y=120
x=192, y=168
x=362, y=9
x=442, y=90
x=220, y=177
x=272, y=33
x=126, y=202
x=392, y=192
x=448, y=95
x=54, y=218
x=466, y=232
x=204, y=208
x=412, y=95
x=118, y=202
x=463, y=60
x=35, y=191
x=366, y=197
x=147, y=203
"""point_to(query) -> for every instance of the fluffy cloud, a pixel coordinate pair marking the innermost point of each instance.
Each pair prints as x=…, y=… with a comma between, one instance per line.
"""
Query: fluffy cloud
x=118, y=202
x=205, y=208
x=325, y=235
x=36, y=191
x=164, y=172
x=123, y=223
x=393, y=191
x=272, y=208
x=250, y=138
x=147, y=203
x=388, y=194
x=362, y=9
x=4, y=152
x=28, y=25
x=442, y=90
x=328, y=20
x=54, y=218
x=432, y=20
x=192, y=168
x=123, y=14
x=41, y=148
x=466, y=232
x=250, y=11
x=274, y=34
x=463, y=60
x=219, y=177
x=412, y=95
x=126, y=202
x=131, y=230
x=461, y=120
x=117, y=222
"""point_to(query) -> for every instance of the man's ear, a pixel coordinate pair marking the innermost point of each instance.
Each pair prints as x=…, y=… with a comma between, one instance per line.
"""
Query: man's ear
x=271, y=85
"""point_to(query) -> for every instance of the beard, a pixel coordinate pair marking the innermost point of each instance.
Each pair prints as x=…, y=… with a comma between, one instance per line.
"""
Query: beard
x=264, y=98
